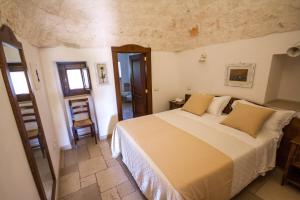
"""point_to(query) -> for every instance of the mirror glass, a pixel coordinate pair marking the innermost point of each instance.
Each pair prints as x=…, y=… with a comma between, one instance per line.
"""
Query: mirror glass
x=30, y=116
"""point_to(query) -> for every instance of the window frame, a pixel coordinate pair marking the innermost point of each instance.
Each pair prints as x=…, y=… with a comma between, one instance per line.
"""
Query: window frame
x=17, y=67
x=62, y=71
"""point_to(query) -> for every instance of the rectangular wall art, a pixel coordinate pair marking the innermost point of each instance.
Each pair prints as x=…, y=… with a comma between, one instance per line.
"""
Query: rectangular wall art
x=240, y=75
x=102, y=73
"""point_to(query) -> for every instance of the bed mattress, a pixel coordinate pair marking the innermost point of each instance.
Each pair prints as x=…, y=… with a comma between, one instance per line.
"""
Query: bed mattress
x=251, y=156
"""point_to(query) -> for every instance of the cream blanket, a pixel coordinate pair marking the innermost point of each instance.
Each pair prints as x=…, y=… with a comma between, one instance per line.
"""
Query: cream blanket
x=195, y=168
x=251, y=156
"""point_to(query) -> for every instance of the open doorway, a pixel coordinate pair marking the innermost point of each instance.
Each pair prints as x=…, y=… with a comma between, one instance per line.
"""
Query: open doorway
x=125, y=71
x=132, y=70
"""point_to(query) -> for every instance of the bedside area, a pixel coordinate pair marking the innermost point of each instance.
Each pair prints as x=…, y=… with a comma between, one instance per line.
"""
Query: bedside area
x=175, y=104
x=291, y=173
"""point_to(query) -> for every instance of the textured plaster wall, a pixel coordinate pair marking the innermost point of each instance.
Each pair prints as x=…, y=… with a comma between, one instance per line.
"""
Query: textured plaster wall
x=168, y=25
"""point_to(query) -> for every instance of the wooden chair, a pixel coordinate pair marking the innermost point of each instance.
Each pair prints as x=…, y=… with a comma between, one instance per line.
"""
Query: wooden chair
x=81, y=107
x=29, y=117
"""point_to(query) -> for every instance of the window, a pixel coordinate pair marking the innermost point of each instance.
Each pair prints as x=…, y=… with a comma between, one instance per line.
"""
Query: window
x=74, y=78
x=19, y=82
x=120, y=69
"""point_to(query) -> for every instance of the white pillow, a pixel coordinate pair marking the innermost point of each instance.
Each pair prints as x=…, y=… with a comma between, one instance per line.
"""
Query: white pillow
x=218, y=104
x=278, y=120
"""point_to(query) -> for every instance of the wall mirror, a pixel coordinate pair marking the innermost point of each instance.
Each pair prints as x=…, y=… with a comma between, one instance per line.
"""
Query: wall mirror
x=22, y=99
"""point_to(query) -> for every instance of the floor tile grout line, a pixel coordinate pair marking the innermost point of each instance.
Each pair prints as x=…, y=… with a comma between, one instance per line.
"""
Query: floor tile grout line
x=113, y=186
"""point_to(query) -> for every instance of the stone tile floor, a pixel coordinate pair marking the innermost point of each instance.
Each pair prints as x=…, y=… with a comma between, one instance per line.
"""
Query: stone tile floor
x=90, y=173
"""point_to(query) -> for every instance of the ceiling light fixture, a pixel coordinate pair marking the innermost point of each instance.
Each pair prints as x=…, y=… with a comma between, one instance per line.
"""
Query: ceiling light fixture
x=294, y=51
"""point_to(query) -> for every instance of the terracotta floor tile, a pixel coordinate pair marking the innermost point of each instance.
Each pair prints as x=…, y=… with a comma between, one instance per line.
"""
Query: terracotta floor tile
x=89, y=180
x=68, y=184
x=112, y=162
x=106, y=154
x=104, y=145
x=83, y=153
x=111, y=194
x=272, y=190
x=110, y=178
x=125, y=189
x=134, y=196
x=94, y=150
x=91, y=166
x=88, y=193
x=68, y=170
x=70, y=157
x=244, y=195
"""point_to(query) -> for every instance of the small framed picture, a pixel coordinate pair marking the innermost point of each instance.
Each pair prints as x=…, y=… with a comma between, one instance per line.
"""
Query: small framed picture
x=240, y=75
x=102, y=73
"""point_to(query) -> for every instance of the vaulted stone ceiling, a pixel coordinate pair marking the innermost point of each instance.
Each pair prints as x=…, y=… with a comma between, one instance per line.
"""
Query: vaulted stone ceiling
x=170, y=25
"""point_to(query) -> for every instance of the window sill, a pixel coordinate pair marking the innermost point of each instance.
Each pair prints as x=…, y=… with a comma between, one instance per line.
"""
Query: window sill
x=77, y=96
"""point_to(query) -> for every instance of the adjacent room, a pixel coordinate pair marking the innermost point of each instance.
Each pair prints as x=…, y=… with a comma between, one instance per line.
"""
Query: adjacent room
x=125, y=85
x=156, y=100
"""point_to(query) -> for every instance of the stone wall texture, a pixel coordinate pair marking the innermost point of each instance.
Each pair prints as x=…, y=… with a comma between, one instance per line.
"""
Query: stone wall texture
x=169, y=25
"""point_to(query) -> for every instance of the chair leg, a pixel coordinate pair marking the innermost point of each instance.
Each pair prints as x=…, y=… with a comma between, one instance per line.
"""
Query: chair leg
x=75, y=135
x=94, y=132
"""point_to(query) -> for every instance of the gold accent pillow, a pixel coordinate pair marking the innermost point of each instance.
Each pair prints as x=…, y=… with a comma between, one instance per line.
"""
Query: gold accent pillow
x=247, y=118
x=198, y=103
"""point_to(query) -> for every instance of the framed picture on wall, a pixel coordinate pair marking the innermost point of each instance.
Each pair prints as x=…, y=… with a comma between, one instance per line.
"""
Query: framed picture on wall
x=240, y=75
x=102, y=73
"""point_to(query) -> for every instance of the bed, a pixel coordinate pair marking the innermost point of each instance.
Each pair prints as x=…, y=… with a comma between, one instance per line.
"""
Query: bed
x=249, y=157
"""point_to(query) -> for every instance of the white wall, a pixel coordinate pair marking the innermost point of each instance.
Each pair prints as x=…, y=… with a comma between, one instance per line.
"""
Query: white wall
x=274, y=78
x=165, y=81
x=14, y=167
x=290, y=79
x=284, y=79
x=209, y=76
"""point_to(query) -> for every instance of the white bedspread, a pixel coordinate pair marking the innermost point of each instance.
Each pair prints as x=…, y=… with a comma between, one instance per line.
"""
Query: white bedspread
x=251, y=156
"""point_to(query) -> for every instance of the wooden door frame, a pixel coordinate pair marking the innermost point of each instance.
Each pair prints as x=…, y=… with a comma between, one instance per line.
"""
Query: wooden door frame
x=132, y=48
